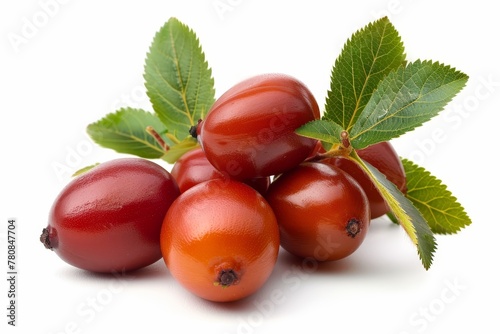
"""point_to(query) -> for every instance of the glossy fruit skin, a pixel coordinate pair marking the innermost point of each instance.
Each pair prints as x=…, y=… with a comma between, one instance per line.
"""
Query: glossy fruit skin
x=193, y=168
x=219, y=227
x=109, y=218
x=322, y=212
x=384, y=157
x=250, y=130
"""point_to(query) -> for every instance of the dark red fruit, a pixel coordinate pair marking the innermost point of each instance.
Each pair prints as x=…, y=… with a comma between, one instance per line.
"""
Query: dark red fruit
x=250, y=130
x=109, y=219
x=322, y=211
x=193, y=168
x=382, y=156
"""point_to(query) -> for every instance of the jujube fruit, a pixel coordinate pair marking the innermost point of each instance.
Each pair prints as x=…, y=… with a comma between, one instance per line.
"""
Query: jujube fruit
x=322, y=211
x=250, y=130
x=220, y=240
x=193, y=168
x=109, y=219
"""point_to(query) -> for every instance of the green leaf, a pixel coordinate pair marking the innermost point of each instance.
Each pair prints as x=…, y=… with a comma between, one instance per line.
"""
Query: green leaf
x=404, y=100
x=369, y=55
x=392, y=218
x=178, y=150
x=324, y=130
x=432, y=198
x=404, y=211
x=178, y=80
x=84, y=170
x=125, y=132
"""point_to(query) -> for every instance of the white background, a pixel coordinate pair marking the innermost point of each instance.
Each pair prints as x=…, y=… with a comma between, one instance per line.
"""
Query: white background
x=83, y=59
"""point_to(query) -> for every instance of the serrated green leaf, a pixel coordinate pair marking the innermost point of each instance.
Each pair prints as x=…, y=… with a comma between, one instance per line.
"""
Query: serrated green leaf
x=404, y=100
x=432, y=198
x=125, y=132
x=404, y=211
x=324, y=130
x=178, y=80
x=369, y=55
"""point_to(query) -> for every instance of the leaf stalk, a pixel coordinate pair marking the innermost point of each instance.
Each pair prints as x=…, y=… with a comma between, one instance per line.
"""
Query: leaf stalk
x=150, y=130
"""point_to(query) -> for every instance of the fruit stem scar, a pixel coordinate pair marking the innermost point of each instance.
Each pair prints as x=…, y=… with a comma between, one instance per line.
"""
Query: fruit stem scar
x=353, y=227
x=45, y=239
x=157, y=137
x=193, y=131
x=227, y=278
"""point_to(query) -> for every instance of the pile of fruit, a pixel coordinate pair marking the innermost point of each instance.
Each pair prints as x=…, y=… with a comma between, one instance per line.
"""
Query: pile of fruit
x=258, y=168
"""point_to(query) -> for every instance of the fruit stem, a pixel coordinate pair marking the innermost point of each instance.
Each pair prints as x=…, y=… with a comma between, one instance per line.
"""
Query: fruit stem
x=342, y=149
x=158, y=138
x=345, y=139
